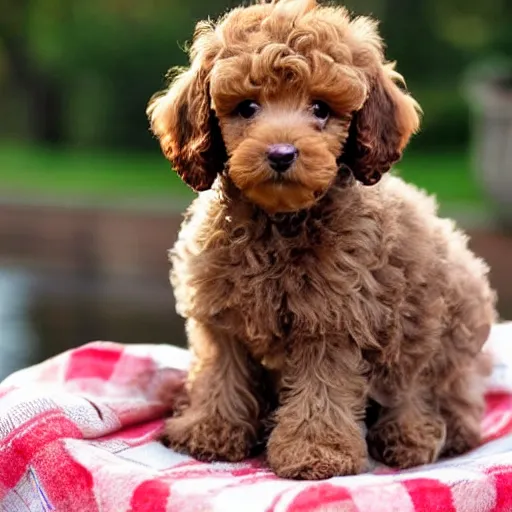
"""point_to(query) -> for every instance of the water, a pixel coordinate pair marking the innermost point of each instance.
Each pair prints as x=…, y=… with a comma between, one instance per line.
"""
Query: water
x=17, y=336
x=43, y=314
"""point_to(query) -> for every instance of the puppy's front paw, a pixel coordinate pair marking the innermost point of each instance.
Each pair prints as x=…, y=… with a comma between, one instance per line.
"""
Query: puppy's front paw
x=313, y=454
x=402, y=444
x=209, y=437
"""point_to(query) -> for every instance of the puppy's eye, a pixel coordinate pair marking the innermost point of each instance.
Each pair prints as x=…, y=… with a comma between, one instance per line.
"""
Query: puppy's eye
x=321, y=110
x=247, y=109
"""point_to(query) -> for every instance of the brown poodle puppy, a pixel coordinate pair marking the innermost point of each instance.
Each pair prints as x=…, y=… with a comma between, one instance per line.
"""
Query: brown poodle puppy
x=298, y=263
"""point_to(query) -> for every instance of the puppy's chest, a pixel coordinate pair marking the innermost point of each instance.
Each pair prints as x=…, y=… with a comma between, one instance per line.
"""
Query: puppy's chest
x=266, y=295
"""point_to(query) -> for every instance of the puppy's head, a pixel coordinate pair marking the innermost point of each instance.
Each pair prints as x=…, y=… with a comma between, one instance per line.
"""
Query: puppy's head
x=280, y=95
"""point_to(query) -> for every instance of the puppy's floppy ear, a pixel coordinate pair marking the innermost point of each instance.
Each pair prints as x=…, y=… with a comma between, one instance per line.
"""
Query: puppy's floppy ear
x=187, y=128
x=382, y=128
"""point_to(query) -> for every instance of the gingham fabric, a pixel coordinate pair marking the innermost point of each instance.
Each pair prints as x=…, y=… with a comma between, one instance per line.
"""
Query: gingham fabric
x=78, y=434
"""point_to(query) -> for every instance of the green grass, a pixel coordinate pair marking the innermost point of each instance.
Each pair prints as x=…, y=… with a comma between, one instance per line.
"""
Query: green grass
x=447, y=175
x=32, y=170
x=29, y=170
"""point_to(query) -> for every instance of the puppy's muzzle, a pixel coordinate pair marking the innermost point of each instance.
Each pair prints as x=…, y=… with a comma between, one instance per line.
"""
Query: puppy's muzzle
x=282, y=156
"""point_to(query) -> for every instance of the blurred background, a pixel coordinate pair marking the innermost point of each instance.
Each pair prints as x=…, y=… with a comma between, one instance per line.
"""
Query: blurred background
x=88, y=206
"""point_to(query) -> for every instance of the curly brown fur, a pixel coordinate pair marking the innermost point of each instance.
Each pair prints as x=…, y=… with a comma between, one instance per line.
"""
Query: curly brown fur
x=336, y=292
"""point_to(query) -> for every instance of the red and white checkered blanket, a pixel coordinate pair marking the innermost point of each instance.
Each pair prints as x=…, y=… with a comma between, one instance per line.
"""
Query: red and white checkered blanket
x=77, y=434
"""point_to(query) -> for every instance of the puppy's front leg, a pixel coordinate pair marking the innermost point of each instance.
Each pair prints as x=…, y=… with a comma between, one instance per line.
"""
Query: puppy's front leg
x=223, y=418
x=322, y=399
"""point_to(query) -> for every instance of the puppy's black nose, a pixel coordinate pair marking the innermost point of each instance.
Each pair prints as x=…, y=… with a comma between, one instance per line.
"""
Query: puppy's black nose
x=282, y=156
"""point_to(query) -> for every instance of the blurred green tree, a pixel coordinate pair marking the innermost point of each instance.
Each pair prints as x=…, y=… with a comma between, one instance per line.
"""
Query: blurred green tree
x=81, y=73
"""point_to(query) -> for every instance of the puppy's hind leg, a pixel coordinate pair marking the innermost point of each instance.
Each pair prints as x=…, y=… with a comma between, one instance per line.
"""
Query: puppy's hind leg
x=410, y=434
x=462, y=405
x=440, y=418
x=461, y=386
